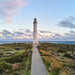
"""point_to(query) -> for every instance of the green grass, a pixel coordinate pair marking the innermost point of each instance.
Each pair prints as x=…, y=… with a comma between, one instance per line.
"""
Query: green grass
x=28, y=66
x=54, y=72
x=20, y=56
x=19, y=51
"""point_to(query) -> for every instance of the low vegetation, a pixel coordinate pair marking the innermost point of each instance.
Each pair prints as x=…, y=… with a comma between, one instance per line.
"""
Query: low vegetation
x=15, y=59
x=58, y=58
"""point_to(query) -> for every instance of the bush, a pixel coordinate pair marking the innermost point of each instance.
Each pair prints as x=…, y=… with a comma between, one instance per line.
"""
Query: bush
x=1, y=53
x=18, y=58
x=55, y=72
x=14, y=59
x=17, y=48
x=15, y=73
x=3, y=66
x=61, y=51
x=67, y=55
x=25, y=54
x=70, y=66
x=45, y=53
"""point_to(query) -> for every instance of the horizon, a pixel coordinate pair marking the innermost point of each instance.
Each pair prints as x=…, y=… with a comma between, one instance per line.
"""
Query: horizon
x=56, y=20
x=21, y=40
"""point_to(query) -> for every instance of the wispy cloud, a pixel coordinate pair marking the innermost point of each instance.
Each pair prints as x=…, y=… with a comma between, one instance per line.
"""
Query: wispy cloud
x=72, y=31
x=27, y=31
x=68, y=23
x=44, y=31
x=5, y=32
x=9, y=8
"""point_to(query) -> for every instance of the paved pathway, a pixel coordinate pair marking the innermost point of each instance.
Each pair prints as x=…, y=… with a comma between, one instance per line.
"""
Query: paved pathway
x=37, y=67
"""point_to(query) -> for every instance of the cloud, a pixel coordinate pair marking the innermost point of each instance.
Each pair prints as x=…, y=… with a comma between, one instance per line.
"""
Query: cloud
x=28, y=31
x=6, y=32
x=58, y=35
x=68, y=23
x=49, y=34
x=72, y=31
x=68, y=36
x=43, y=31
x=9, y=8
x=21, y=34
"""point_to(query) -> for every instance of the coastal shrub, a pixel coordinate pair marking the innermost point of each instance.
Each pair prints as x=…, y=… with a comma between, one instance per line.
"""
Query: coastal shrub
x=15, y=66
x=28, y=46
x=55, y=72
x=54, y=63
x=67, y=55
x=17, y=48
x=61, y=51
x=14, y=59
x=63, y=72
x=16, y=73
x=44, y=53
x=25, y=54
x=3, y=66
x=70, y=66
x=18, y=58
x=46, y=59
x=1, y=53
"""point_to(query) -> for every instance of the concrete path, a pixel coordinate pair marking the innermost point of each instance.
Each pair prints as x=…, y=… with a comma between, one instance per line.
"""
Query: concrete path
x=37, y=66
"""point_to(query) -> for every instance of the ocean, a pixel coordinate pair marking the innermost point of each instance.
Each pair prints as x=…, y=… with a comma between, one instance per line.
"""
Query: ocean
x=8, y=42
x=63, y=42
x=58, y=42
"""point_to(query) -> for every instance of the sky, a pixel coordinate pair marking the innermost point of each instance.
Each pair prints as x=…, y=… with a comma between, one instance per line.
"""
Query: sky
x=56, y=19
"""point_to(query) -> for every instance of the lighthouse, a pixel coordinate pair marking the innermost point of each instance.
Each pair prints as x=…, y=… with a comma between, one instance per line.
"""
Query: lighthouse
x=35, y=41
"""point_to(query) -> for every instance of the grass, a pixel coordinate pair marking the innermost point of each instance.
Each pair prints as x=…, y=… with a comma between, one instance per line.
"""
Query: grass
x=22, y=55
x=28, y=67
x=70, y=66
x=46, y=64
x=19, y=51
x=58, y=51
x=54, y=72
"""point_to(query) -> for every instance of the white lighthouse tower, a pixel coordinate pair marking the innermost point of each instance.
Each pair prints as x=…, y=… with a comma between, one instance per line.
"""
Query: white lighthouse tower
x=35, y=41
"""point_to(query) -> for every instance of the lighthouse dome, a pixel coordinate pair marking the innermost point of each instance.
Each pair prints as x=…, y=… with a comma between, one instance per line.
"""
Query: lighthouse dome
x=35, y=19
